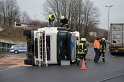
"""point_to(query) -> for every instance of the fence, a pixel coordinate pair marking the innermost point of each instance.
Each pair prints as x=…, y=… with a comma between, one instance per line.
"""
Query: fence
x=4, y=47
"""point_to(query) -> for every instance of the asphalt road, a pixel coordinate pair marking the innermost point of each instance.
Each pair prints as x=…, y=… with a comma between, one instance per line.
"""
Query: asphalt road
x=110, y=71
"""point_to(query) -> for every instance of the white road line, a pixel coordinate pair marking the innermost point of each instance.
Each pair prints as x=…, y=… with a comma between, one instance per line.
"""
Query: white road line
x=5, y=69
x=109, y=78
x=10, y=67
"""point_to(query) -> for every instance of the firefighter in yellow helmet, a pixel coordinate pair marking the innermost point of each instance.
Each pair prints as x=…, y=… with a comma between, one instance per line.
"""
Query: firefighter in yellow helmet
x=51, y=19
x=81, y=50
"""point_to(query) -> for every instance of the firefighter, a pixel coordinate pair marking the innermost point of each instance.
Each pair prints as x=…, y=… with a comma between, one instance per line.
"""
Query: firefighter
x=103, y=49
x=64, y=22
x=97, y=50
x=81, y=50
x=51, y=19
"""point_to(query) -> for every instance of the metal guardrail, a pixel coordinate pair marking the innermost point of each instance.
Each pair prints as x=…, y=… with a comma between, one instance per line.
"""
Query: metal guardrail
x=4, y=47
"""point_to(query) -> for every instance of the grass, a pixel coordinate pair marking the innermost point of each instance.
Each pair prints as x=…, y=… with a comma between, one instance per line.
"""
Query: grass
x=13, y=34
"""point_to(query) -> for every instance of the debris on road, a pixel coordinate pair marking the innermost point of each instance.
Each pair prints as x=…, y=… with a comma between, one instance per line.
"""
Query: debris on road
x=12, y=61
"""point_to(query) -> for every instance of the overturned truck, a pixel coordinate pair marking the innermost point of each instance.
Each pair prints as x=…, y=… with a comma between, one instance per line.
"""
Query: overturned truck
x=53, y=45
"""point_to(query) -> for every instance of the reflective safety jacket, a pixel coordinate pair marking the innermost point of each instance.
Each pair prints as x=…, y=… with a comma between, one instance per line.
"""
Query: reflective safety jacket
x=97, y=44
x=102, y=46
x=51, y=17
x=82, y=49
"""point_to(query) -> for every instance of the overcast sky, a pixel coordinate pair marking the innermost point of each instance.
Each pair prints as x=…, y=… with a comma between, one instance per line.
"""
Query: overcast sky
x=35, y=10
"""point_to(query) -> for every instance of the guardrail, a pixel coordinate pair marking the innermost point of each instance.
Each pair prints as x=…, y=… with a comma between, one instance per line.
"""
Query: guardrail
x=4, y=47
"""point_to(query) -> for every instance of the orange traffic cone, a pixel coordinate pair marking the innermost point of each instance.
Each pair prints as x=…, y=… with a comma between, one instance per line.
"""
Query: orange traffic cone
x=90, y=57
x=83, y=65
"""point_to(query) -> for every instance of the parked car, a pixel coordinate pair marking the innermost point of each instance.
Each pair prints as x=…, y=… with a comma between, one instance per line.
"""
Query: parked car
x=18, y=48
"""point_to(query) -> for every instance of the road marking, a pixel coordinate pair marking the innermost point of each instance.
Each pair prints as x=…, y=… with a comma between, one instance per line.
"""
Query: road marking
x=5, y=69
x=10, y=67
x=109, y=78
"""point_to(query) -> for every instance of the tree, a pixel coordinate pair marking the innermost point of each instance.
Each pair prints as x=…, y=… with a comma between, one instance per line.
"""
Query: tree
x=24, y=17
x=2, y=12
x=10, y=11
x=81, y=13
x=1, y=15
x=90, y=16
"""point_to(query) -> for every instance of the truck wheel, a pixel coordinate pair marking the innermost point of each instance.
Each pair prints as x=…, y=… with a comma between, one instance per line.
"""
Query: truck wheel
x=16, y=51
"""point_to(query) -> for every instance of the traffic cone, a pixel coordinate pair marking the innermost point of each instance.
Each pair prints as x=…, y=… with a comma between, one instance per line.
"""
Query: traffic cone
x=83, y=65
x=90, y=57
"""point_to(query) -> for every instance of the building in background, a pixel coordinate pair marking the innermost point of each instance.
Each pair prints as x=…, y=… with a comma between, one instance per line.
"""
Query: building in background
x=94, y=34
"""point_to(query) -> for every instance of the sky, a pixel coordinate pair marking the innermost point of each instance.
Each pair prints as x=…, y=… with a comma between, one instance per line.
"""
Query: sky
x=116, y=14
x=35, y=10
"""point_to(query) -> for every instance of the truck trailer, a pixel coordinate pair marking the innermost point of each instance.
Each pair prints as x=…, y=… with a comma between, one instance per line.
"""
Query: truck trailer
x=117, y=38
x=50, y=46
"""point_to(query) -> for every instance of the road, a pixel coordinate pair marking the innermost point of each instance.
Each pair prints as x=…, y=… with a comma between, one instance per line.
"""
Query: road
x=110, y=71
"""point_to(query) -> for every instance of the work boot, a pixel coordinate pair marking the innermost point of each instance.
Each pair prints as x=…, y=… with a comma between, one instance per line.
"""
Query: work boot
x=95, y=61
x=103, y=60
x=77, y=63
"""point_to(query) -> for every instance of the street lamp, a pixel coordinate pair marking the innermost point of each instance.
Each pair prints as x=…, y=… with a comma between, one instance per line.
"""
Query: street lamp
x=108, y=17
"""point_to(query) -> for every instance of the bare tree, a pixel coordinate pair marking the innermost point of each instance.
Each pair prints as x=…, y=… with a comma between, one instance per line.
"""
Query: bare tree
x=91, y=15
x=24, y=17
x=2, y=11
x=81, y=13
x=1, y=14
x=10, y=11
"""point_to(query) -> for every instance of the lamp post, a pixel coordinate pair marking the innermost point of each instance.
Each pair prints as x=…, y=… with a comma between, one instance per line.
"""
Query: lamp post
x=108, y=17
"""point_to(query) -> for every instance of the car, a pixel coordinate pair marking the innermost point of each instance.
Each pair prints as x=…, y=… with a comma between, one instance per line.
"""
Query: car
x=18, y=48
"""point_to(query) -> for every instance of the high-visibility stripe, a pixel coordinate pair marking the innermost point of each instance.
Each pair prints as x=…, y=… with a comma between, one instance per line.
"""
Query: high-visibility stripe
x=78, y=58
x=79, y=50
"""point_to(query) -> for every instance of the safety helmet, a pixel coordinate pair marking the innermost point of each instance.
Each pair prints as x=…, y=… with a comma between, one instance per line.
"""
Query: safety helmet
x=83, y=39
x=103, y=38
x=62, y=17
x=52, y=15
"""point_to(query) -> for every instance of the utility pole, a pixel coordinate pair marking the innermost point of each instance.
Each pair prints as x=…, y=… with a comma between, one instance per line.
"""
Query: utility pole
x=108, y=17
